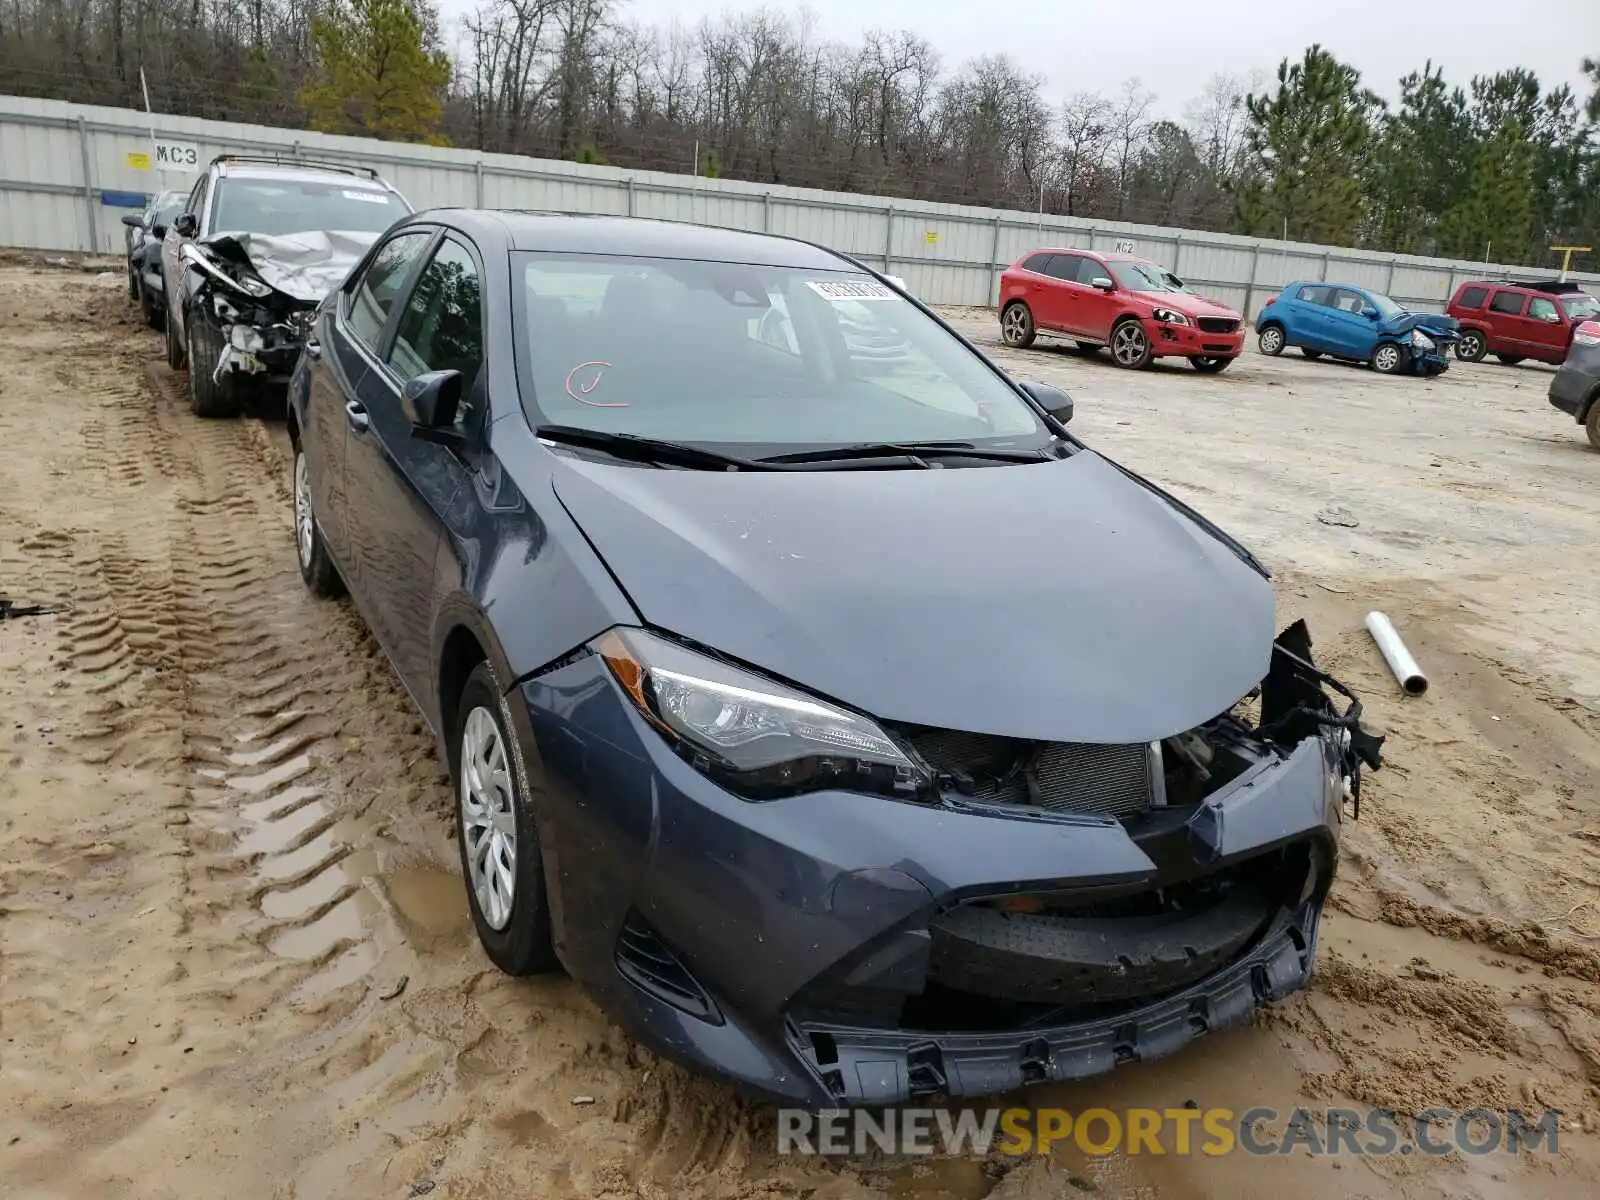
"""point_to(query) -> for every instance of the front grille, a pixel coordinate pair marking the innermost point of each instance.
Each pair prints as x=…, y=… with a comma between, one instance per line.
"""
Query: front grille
x=1067, y=777
x=1218, y=324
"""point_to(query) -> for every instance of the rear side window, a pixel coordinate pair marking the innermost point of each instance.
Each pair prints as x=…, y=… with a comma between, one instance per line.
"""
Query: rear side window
x=1315, y=294
x=1069, y=267
x=1037, y=263
x=1507, y=302
x=380, y=286
x=442, y=326
x=1473, y=297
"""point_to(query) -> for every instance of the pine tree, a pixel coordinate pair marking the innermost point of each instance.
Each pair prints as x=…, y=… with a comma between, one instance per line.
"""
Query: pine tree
x=377, y=74
x=1497, y=207
x=1421, y=162
x=1308, y=143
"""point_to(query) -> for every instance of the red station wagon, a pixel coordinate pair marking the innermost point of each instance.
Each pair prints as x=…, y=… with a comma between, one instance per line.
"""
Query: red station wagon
x=1514, y=321
x=1138, y=308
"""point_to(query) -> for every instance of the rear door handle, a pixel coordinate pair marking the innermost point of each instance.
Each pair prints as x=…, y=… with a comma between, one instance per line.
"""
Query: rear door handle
x=356, y=414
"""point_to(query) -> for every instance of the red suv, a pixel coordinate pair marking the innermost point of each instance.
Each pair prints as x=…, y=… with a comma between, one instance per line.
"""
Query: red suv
x=1514, y=321
x=1139, y=309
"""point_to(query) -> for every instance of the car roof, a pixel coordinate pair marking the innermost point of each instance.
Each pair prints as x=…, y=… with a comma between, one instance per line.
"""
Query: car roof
x=1546, y=287
x=641, y=237
x=305, y=173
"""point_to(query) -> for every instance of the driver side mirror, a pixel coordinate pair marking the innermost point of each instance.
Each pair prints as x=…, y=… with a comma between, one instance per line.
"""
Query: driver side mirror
x=1052, y=399
x=158, y=232
x=431, y=402
x=187, y=224
x=1370, y=313
x=133, y=220
x=1102, y=282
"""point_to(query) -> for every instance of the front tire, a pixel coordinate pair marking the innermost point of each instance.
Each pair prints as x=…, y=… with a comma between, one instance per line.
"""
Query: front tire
x=174, y=346
x=1471, y=347
x=208, y=396
x=1387, y=359
x=316, y=566
x=1130, y=345
x=1210, y=366
x=1016, y=326
x=500, y=859
x=154, y=314
x=1271, y=340
x=1591, y=426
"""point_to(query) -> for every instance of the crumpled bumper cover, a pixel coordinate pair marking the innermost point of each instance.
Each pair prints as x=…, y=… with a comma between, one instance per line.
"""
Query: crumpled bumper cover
x=875, y=1067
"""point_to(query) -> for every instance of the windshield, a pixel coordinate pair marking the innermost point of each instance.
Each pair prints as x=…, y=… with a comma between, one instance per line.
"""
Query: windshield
x=749, y=356
x=1145, y=277
x=1387, y=308
x=1580, y=307
x=283, y=206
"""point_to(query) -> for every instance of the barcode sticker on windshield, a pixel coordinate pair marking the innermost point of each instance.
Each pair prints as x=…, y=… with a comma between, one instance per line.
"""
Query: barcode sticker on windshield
x=850, y=289
x=369, y=197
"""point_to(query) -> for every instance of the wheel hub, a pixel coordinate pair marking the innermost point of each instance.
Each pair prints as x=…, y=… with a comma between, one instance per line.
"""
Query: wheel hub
x=488, y=821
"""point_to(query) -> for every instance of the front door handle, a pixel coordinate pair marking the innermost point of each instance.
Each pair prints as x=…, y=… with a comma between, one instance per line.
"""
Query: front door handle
x=356, y=414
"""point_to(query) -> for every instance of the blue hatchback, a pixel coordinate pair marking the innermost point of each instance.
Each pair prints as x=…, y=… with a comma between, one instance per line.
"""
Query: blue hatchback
x=1348, y=322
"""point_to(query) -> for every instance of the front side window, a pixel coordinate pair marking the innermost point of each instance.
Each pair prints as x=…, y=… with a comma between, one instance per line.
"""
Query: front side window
x=748, y=356
x=1145, y=277
x=442, y=326
x=1541, y=309
x=379, y=286
x=280, y=206
x=1510, y=303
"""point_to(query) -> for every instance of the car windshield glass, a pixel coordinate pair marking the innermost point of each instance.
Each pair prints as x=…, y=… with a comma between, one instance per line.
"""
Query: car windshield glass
x=749, y=356
x=1580, y=307
x=1387, y=308
x=283, y=206
x=1145, y=277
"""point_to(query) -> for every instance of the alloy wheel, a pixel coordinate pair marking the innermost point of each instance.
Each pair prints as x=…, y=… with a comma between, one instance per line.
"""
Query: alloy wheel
x=1015, y=324
x=304, y=527
x=1470, y=347
x=1128, y=344
x=488, y=819
x=1387, y=358
x=1271, y=340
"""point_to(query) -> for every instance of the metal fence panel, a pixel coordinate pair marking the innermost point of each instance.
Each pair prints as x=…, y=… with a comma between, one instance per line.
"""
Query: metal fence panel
x=66, y=168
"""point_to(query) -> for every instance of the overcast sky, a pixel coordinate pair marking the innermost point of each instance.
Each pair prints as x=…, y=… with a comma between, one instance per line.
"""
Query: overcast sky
x=1174, y=46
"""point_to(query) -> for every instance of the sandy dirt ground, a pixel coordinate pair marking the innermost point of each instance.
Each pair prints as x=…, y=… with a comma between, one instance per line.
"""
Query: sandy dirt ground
x=235, y=958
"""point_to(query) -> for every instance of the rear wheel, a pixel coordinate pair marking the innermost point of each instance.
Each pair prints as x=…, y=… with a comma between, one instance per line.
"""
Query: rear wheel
x=1592, y=425
x=1130, y=347
x=1470, y=347
x=1510, y=360
x=210, y=394
x=154, y=315
x=500, y=859
x=316, y=568
x=1386, y=359
x=174, y=346
x=1271, y=340
x=1311, y=354
x=1210, y=366
x=1016, y=325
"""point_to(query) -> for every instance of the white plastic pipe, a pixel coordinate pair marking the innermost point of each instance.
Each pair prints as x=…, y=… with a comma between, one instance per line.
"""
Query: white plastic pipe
x=1396, y=655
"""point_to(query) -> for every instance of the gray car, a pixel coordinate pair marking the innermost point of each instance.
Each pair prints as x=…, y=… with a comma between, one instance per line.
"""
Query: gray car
x=1576, y=387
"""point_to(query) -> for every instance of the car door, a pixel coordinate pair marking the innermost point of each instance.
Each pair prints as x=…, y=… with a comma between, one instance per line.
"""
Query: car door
x=1052, y=304
x=1545, y=330
x=1506, y=322
x=172, y=270
x=401, y=484
x=1309, y=320
x=1096, y=307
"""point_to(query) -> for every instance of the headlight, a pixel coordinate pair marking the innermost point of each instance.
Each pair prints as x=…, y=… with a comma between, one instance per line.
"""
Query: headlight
x=1170, y=317
x=1421, y=340
x=753, y=735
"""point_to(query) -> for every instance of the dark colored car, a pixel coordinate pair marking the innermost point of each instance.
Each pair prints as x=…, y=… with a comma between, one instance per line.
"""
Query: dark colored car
x=1141, y=310
x=143, y=238
x=1355, y=324
x=258, y=245
x=1575, y=388
x=847, y=727
x=1514, y=321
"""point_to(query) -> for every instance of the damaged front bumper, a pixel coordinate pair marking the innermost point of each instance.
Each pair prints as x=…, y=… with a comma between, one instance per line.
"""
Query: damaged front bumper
x=257, y=341
x=839, y=949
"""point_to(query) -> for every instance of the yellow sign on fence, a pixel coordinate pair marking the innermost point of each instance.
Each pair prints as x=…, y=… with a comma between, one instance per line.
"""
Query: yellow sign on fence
x=138, y=160
x=932, y=236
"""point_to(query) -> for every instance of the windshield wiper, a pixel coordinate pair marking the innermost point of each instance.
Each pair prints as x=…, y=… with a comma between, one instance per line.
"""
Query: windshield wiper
x=647, y=449
x=912, y=450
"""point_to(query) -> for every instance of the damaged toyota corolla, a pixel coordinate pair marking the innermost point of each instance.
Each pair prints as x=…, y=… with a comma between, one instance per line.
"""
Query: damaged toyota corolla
x=853, y=731
x=259, y=244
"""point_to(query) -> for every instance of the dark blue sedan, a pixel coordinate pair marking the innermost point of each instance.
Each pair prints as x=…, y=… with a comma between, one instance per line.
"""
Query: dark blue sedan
x=851, y=730
x=1343, y=321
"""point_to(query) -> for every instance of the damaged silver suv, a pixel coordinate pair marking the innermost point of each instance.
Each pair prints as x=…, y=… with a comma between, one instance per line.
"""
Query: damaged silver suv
x=258, y=245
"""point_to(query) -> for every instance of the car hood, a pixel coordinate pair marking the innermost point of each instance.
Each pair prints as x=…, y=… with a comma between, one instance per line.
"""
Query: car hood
x=1060, y=602
x=304, y=266
x=1189, y=305
x=1427, y=322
